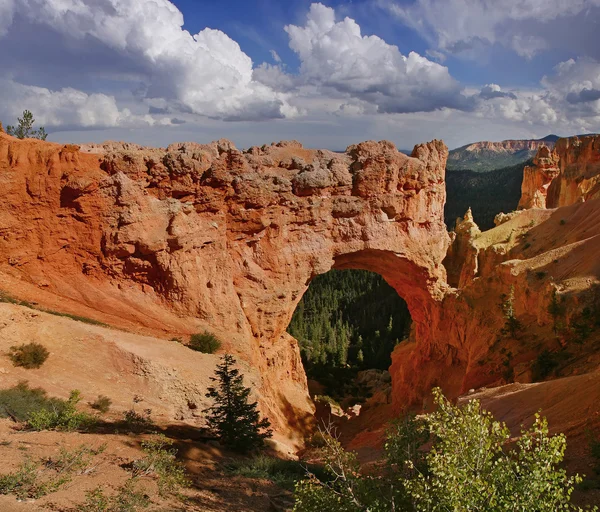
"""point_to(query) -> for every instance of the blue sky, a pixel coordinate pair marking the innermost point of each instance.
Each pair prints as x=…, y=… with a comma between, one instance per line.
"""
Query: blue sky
x=327, y=73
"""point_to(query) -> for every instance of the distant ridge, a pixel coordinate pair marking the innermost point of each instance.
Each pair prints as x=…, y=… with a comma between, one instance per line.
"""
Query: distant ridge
x=487, y=156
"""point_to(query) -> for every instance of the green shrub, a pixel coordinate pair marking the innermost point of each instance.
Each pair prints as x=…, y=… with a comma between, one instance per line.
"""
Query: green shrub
x=23, y=482
x=470, y=466
x=161, y=460
x=545, y=364
x=138, y=422
x=34, y=480
x=66, y=417
x=20, y=401
x=127, y=499
x=326, y=399
x=284, y=473
x=205, y=342
x=28, y=355
x=101, y=404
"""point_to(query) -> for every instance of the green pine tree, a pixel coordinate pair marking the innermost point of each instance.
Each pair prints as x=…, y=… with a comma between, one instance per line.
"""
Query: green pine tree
x=25, y=129
x=234, y=419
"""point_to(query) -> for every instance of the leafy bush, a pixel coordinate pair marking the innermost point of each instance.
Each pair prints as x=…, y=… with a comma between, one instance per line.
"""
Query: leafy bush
x=28, y=355
x=20, y=401
x=101, y=404
x=161, y=460
x=234, y=419
x=204, y=342
x=138, y=422
x=23, y=482
x=34, y=480
x=66, y=417
x=128, y=499
x=470, y=466
x=326, y=399
x=284, y=473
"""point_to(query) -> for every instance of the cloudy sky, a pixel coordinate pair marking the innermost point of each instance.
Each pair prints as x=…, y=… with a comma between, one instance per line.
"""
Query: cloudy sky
x=328, y=74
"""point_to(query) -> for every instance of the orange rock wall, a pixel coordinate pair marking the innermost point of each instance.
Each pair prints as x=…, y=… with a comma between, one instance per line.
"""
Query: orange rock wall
x=564, y=175
x=206, y=236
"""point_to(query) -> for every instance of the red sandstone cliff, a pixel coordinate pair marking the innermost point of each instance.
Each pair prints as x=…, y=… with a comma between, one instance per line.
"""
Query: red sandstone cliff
x=208, y=237
x=560, y=177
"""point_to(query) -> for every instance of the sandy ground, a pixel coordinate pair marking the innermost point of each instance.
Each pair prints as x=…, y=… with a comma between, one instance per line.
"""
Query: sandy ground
x=211, y=490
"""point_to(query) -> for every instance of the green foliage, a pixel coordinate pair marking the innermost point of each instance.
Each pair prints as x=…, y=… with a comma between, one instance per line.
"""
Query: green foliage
x=66, y=417
x=486, y=193
x=28, y=355
x=284, y=473
x=34, y=480
x=138, y=422
x=24, y=128
x=20, y=401
x=23, y=482
x=127, y=499
x=512, y=326
x=204, y=342
x=470, y=466
x=161, y=460
x=326, y=399
x=585, y=322
x=348, y=317
x=234, y=419
x=545, y=364
x=101, y=404
x=486, y=161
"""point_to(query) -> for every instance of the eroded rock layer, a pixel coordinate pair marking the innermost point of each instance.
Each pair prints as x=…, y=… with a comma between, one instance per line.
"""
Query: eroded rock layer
x=564, y=175
x=208, y=237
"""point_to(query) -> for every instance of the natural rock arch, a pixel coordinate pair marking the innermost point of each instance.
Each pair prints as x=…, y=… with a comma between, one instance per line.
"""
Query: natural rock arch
x=229, y=240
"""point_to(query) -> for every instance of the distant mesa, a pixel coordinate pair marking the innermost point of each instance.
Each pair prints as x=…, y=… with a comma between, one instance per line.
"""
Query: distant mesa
x=487, y=156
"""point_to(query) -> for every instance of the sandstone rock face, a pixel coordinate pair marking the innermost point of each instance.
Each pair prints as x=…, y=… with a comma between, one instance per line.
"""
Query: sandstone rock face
x=206, y=236
x=563, y=176
x=174, y=241
x=537, y=179
x=461, y=260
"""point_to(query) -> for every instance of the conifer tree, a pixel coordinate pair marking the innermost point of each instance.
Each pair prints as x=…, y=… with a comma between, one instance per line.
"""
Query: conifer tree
x=25, y=129
x=234, y=419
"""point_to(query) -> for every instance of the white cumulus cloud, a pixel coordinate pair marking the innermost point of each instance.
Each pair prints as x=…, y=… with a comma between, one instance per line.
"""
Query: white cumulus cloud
x=68, y=107
x=335, y=55
x=206, y=74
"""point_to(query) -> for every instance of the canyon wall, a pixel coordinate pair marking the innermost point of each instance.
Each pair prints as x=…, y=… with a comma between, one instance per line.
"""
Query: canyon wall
x=543, y=259
x=561, y=176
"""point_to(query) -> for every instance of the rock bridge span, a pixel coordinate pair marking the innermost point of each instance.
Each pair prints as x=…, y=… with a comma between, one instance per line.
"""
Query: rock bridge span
x=196, y=237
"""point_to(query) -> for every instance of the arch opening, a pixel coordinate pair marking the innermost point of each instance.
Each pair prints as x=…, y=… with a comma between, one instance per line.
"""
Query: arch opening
x=347, y=324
